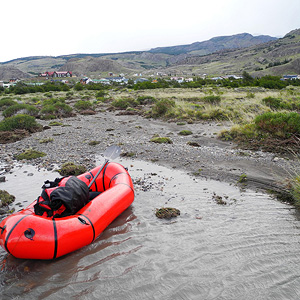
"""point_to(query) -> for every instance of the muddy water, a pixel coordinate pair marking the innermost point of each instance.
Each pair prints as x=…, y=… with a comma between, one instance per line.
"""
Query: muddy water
x=248, y=248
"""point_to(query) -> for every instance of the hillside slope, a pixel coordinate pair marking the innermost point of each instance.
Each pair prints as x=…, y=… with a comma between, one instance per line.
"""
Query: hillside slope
x=276, y=57
x=215, y=44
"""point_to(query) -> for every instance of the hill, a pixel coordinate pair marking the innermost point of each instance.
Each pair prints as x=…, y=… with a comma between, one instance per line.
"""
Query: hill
x=220, y=55
x=9, y=72
x=278, y=57
x=215, y=44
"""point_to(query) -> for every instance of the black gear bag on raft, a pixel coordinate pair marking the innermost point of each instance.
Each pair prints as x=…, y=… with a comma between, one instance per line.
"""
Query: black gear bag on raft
x=62, y=197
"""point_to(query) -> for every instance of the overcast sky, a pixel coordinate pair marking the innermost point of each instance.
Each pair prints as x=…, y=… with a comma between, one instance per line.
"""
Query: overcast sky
x=58, y=27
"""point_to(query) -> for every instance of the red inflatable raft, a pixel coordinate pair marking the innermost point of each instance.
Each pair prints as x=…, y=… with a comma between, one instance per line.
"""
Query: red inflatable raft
x=27, y=235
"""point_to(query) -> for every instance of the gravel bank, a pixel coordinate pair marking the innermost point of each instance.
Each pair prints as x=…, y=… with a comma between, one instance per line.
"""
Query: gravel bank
x=212, y=158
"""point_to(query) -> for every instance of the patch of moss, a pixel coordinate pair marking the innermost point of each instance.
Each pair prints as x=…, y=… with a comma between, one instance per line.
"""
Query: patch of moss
x=46, y=140
x=55, y=123
x=161, y=140
x=30, y=154
x=185, y=132
x=70, y=169
x=94, y=143
x=6, y=198
x=167, y=212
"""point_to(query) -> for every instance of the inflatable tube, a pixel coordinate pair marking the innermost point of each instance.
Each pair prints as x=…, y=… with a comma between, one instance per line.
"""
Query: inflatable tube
x=29, y=236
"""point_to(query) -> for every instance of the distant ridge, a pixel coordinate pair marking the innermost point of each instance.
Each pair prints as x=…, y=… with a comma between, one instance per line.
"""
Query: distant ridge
x=215, y=44
x=257, y=55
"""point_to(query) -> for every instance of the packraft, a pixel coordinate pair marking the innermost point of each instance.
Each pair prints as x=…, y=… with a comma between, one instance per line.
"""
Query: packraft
x=24, y=234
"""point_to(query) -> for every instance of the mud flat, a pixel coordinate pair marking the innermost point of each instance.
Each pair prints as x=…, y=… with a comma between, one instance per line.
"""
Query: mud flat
x=82, y=138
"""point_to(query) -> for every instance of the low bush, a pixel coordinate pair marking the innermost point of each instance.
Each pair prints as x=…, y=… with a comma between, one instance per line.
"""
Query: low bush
x=279, y=124
x=161, y=140
x=124, y=103
x=146, y=99
x=26, y=108
x=55, y=108
x=274, y=103
x=6, y=102
x=20, y=122
x=83, y=105
x=162, y=107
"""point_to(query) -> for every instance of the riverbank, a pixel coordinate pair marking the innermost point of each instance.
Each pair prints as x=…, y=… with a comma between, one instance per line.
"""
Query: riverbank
x=83, y=138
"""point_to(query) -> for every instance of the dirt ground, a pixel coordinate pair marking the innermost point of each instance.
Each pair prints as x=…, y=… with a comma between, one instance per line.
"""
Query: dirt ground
x=201, y=153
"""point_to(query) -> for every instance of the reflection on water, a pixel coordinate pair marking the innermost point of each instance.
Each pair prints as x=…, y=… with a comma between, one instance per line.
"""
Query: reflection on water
x=246, y=249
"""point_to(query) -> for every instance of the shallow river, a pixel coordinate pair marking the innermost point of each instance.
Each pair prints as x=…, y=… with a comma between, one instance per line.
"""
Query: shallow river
x=246, y=249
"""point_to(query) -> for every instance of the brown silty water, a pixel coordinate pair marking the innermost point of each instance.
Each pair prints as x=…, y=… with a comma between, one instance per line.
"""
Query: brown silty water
x=245, y=247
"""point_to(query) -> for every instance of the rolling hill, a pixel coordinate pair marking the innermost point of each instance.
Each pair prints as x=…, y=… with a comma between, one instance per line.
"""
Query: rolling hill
x=220, y=55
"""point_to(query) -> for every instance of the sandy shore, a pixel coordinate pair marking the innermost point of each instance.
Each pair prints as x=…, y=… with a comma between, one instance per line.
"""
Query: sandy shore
x=213, y=158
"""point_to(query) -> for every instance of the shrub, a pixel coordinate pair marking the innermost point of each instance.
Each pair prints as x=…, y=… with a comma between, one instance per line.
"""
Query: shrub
x=124, y=103
x=279, y=124
x=83, y=105
x=5, y=102
x=13, y=109
x=162, y=107
x=146, y=99
x=20, y=122
x=55, y=108
x=100, y=94
x=161, y=140
x=272, y=102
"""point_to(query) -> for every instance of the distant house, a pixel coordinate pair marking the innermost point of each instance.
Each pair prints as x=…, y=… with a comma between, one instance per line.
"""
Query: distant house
x=85, y=80
x=14, y=80
x=291, y=77
x=178, y=79
x=56, y=74
x=117, y=79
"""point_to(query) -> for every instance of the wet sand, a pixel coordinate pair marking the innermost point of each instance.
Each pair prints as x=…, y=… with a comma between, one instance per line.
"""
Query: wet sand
x=211, y=158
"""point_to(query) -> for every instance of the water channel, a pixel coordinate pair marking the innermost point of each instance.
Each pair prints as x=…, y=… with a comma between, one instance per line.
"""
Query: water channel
x=248, y=248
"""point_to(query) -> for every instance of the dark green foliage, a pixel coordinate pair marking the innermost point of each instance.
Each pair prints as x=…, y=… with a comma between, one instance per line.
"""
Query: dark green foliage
x=19, y=122
x=5, y=102
x=279, y=124
x=21, y=88
x=55, y=108
x=13, y=109
x=83, y=105
x=272, y=102
x=100, y=93
x=272, y=82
